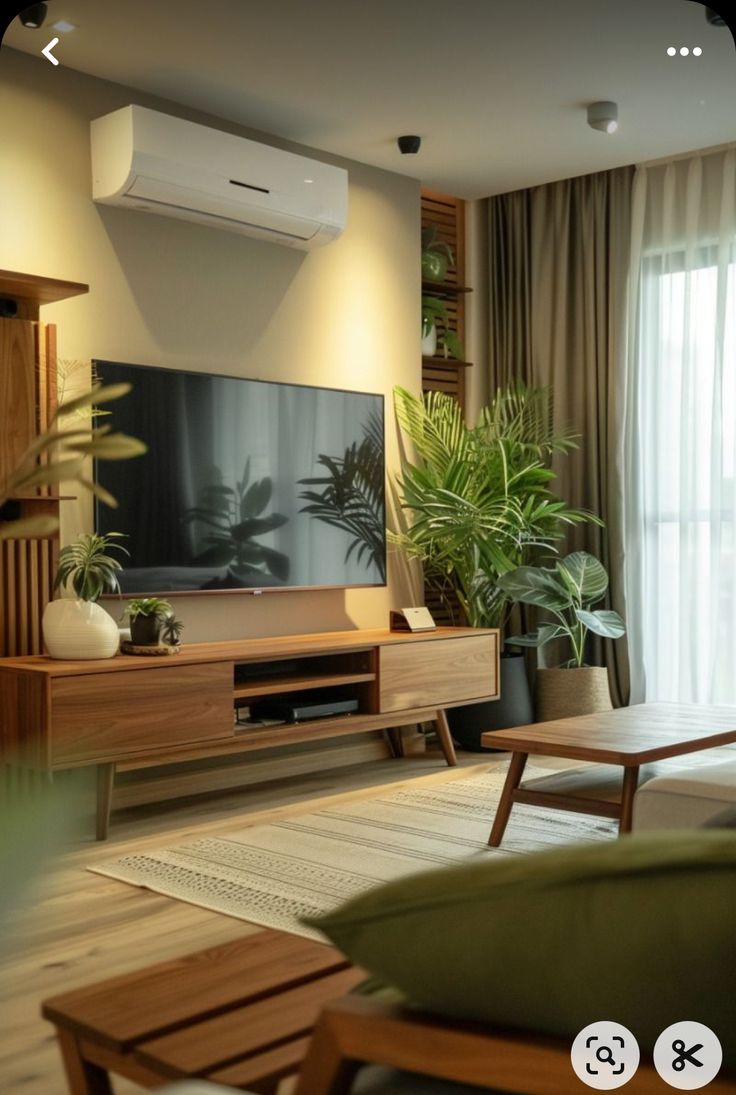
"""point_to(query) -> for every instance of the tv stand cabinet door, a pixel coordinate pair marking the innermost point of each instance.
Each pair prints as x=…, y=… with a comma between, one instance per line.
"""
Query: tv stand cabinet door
x=99, y=717
x=440, y=672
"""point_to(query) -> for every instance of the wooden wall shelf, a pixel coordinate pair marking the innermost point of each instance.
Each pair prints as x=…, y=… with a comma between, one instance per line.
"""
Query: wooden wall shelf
x=444, y=289
x=451, y=361
x=38, y=290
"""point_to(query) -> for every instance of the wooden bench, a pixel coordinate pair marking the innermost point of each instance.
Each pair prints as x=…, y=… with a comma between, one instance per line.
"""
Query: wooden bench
x=251, y=1013
x=239, y=1014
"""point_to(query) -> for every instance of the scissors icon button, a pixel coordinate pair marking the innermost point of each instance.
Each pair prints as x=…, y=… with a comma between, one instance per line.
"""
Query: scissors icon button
x=688, y=1055
x=684, y=1056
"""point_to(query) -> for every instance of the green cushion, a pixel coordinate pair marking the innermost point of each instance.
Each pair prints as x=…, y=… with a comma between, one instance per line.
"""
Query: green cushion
x=640, y=930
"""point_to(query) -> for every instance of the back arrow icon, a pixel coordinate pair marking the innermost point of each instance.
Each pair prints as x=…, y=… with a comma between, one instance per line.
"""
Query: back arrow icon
x=47, y=51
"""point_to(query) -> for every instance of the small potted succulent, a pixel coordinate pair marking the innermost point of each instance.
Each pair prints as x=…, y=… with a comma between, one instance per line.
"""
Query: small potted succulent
x=147, y=616
x=79, y=628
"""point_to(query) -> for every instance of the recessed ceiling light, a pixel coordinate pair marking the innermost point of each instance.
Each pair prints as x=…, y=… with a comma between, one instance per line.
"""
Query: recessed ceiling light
x=64, y=26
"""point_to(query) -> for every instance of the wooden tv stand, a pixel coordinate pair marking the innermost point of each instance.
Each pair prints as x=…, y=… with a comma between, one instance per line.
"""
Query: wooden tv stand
x=141, y=712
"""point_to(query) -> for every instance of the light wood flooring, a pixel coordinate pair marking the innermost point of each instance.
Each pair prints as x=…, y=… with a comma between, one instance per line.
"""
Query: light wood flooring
x=79, y=927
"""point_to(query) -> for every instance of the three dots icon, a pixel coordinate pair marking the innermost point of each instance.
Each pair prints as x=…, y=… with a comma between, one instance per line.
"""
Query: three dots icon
x=672, y=51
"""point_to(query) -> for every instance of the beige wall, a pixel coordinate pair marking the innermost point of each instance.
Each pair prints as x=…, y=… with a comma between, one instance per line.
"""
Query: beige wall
x=165, y=292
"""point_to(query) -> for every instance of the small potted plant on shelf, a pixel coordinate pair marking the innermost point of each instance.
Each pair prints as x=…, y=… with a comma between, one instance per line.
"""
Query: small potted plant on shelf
x=147, y=616
x=437, y=255
x=171, y=631
x=567, y=591
x=436, y=331
x=79, y=628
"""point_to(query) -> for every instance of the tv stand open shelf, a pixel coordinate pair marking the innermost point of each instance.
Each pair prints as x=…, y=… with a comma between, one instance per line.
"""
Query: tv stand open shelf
x=143, y=712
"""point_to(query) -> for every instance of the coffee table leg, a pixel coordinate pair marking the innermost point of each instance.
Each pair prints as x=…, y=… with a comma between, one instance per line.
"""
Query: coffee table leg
x=513, y=779
x=631, y=781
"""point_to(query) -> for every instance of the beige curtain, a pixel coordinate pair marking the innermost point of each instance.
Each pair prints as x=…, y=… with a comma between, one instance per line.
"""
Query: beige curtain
x=558, y=261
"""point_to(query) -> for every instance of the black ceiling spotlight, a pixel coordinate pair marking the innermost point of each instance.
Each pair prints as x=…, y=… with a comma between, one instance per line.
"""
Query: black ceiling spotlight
x=409, y=144
x=714, y=18
x=33, y=16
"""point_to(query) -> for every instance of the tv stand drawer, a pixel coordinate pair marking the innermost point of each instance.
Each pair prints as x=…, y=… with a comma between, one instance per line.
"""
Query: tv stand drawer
x=101, y=715
x=439, y=672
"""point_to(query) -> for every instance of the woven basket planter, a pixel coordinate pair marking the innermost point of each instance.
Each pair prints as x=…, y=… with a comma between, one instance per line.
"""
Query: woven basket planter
x=562, y=693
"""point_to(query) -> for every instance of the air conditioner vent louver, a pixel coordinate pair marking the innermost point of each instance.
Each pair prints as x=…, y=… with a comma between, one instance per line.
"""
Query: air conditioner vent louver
x=143, y=159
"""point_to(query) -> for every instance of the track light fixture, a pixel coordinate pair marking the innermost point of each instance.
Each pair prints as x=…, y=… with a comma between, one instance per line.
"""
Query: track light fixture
x=33, y=16
x=603, y=116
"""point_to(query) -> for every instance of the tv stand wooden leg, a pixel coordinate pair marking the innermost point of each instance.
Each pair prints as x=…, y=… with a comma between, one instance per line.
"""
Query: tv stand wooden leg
x=395, y=741
x=443, y=733
x=105, y=782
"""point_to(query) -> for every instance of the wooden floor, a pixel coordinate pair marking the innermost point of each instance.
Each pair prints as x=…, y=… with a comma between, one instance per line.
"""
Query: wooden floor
x=80, y=927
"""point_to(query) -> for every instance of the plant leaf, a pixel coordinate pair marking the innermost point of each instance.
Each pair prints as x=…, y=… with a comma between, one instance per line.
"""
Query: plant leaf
x=603, y=622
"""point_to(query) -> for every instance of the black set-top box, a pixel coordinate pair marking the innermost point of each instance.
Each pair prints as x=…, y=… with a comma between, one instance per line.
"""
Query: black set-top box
x=298, y=708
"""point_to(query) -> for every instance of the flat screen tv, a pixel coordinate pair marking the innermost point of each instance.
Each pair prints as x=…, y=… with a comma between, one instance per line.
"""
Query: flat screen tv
x=247, y=484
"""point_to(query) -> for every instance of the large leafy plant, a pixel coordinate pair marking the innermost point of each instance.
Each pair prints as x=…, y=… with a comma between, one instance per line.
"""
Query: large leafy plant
x=234, y=519
x=568, y=591
x=478, y=497
x=351, y=495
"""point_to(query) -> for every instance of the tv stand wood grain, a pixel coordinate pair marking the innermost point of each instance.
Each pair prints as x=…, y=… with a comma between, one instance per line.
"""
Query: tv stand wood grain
x=143, y=712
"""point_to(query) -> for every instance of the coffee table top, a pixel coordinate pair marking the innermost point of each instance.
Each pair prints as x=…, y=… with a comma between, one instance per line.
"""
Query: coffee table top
x=628, y=736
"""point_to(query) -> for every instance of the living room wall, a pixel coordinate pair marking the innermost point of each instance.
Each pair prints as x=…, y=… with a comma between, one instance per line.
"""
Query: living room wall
x=165, y=292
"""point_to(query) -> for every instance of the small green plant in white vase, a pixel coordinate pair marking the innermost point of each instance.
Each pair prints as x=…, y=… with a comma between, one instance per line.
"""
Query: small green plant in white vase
x=78, y=628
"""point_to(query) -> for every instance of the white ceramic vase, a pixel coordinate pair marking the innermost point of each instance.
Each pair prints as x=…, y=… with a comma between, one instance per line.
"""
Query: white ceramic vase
x=79, y=630
x=429, y=342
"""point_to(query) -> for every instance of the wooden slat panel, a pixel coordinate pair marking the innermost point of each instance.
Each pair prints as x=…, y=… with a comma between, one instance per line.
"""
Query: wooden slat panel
x=264, y=1068
x=159, y=999
x=202, y=1047
x=17, y=392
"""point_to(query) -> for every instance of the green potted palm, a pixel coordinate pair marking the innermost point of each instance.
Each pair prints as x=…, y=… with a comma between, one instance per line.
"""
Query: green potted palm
x=79, y=627
x=479, y=503
x=147, y=616
x=567, y=592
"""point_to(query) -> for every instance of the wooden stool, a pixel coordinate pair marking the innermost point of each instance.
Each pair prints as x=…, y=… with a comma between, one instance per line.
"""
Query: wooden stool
x=240, y=1014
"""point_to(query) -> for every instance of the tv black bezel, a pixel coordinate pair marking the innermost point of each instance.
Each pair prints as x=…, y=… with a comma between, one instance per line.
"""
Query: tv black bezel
x=256, y=591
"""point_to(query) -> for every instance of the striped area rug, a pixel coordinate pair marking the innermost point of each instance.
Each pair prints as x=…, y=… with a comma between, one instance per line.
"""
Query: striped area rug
x=310, y=863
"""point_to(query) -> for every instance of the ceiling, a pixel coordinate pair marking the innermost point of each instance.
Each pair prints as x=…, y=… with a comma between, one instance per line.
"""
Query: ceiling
x=497, y=89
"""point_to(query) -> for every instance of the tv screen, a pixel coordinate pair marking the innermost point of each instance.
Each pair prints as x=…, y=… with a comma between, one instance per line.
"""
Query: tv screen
x=246, y=485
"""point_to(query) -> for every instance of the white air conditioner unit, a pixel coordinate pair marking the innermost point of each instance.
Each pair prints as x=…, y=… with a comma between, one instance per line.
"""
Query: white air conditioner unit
x=145, y=160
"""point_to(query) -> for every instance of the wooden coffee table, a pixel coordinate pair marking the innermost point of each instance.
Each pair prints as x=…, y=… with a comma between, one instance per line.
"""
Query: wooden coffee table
x=631, y=737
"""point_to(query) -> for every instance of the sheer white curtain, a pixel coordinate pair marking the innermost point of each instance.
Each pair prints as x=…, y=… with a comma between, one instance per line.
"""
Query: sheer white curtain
x=679, y=432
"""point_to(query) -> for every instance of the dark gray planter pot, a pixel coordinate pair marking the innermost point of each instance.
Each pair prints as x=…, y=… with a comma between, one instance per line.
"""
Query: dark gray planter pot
x=514, y=708
x=145, y=630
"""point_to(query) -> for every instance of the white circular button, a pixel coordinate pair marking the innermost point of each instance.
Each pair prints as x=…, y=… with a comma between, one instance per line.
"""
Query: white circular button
x=687, y=1055
x=605, y=1055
